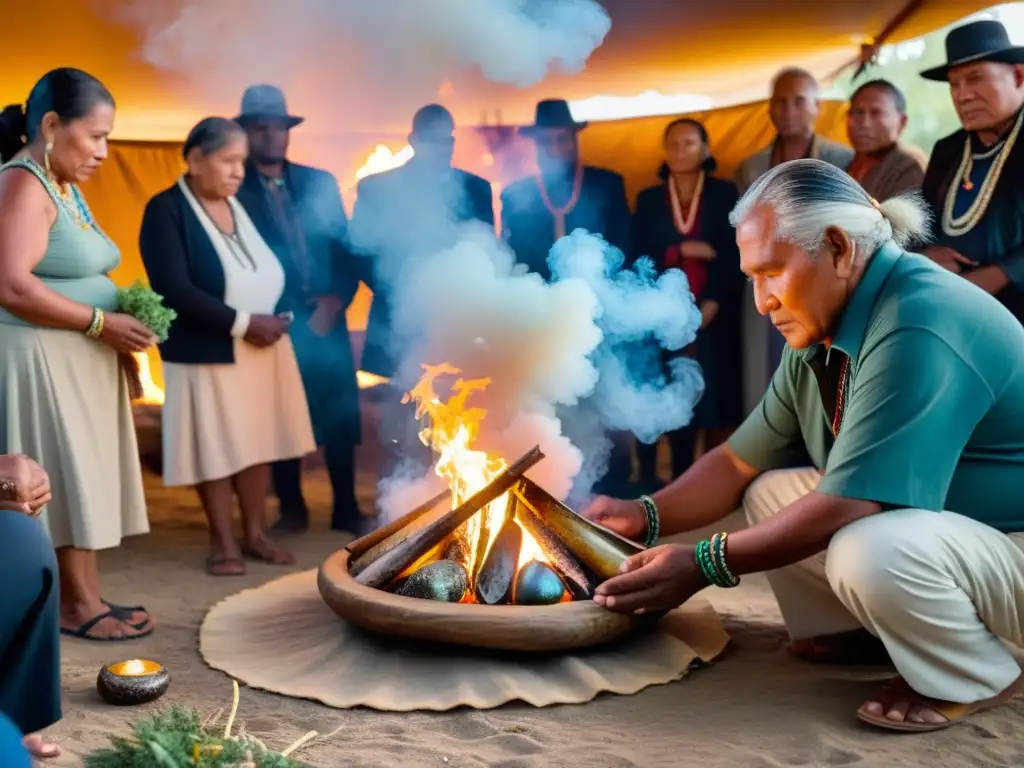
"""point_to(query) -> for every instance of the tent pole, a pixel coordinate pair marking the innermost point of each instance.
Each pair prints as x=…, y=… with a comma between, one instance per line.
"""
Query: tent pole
x=870, y=49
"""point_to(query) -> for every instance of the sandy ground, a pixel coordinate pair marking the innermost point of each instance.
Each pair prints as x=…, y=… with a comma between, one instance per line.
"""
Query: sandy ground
x=754, y=708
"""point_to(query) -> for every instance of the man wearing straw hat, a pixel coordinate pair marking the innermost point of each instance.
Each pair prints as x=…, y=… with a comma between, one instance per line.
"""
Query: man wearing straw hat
x=975, y=179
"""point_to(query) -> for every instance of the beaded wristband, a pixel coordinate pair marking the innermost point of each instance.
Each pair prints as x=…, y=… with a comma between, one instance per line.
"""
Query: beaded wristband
x=718, y=558
x=710, y=557
x=653, y=524
x=702, y=554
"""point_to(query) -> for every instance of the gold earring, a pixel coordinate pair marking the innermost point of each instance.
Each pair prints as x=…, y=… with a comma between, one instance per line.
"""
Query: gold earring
x=46, y=157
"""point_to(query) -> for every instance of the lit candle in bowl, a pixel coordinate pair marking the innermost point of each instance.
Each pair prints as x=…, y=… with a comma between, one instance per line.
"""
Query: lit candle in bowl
x=137, y=681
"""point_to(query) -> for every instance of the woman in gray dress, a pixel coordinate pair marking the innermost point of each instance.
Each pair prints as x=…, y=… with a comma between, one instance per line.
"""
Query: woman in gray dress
x=64, y=396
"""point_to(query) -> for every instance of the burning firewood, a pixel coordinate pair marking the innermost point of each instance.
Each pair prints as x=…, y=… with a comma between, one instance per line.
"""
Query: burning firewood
x=601, y=550
x=494, y=584
x=369, y=548
x=393, y=562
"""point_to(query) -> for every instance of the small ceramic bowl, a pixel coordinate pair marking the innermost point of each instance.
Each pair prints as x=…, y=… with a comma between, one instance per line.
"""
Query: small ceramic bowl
x=137, y=681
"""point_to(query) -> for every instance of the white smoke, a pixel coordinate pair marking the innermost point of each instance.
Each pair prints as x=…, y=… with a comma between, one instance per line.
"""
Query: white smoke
x=568, y=360
x=558, y=354
x=365, y=59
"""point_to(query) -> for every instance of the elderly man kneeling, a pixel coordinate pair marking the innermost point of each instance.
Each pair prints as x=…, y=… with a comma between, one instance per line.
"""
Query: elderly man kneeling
x=904, y=388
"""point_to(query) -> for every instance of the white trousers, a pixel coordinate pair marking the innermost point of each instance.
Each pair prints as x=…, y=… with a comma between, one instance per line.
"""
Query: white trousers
x=940, y=590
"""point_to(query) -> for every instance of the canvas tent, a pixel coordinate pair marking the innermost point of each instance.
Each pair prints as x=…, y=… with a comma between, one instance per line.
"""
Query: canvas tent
x=726, y=50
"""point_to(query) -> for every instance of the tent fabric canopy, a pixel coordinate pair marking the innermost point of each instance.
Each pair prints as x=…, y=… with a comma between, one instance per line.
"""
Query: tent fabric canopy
x=726, y=50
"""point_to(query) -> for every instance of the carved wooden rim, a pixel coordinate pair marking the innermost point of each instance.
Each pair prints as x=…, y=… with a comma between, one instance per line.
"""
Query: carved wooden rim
x=563, y=626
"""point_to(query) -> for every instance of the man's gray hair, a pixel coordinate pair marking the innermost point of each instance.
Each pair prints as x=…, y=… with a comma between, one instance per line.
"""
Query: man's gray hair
x=810, y=196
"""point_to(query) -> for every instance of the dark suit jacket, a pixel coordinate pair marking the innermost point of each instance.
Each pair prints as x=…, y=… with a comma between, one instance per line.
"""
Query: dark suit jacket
x=999, y=236
x=406, y=213
x=718, y=347
x=184, y=268
x=529, y=227
x=333, y=270
x=327, y=364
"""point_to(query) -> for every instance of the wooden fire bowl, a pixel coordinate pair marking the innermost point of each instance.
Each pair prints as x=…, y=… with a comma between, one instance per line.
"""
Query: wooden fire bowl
x=559, y=627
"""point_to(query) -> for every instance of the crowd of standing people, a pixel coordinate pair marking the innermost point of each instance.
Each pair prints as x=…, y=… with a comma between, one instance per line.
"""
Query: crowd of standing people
x=256, y=256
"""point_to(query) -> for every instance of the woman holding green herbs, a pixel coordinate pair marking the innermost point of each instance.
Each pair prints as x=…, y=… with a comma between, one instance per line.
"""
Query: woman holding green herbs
x=64, y=396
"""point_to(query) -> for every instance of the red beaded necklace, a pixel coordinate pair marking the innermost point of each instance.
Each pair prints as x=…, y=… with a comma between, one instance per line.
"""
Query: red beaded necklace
x=844, y=375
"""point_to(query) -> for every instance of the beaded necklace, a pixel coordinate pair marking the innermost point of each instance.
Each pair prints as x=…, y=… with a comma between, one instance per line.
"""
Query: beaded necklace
x=561, y=213
x=685, y=225
x=842, y=396
x=68, y=195
x=956, y=226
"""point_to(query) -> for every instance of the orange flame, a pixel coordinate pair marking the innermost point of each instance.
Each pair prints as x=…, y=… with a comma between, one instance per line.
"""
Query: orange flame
x=151, y=393
x=451, y=431
x=383, y=159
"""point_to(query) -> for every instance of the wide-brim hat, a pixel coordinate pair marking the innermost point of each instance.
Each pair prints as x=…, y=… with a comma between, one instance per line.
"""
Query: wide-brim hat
x=552, y=113
x=976, y=42
x=266, y=102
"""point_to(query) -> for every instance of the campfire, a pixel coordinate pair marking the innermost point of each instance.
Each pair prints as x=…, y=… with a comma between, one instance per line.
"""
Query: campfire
x=494, y=537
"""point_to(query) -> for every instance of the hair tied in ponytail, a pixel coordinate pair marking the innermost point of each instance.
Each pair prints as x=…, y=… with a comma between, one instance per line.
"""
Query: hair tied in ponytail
x=12, y=131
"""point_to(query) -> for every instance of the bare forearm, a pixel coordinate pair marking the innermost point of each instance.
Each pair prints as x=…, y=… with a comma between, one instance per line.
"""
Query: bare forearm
x=31, y=300
x=799, y=531
x=711, y=489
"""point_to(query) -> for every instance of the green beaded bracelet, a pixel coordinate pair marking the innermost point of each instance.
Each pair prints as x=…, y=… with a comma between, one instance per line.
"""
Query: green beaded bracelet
x=718, y=559
x=702, y=554
x=653, y=524
x=710, y=556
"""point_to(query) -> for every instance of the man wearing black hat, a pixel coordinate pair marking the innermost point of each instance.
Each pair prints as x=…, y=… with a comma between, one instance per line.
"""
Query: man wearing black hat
x=566, y=195
x=298, y=211
x=413, y=211
x=975, y=178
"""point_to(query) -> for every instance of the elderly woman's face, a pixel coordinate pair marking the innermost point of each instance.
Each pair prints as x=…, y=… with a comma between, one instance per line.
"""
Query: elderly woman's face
x=221, y=172
x=802, y=295
x=80, y=146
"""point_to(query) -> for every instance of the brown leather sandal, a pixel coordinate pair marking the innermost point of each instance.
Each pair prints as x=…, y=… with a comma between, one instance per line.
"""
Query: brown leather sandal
x=897, y=690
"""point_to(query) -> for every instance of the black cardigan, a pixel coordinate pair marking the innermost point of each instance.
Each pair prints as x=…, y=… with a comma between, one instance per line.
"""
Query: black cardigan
x=184, y=268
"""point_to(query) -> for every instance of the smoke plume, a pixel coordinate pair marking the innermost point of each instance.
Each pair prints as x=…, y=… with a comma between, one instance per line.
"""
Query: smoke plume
x=568, y=360
x=390, y=55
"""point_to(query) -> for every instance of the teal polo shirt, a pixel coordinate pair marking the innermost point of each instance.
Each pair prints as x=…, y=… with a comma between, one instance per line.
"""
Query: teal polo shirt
x=935, y=415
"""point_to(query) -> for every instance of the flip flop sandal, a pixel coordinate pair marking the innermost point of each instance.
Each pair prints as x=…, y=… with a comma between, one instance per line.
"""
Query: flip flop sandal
x=124, y=613
x=221, y=565
x=897, y=690
x=855, y=648
x=82, y=632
